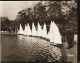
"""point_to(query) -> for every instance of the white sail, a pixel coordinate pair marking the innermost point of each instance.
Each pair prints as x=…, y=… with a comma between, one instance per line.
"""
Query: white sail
x=28, y=30
x=56, y=33
x=25, y=30
x=39, y=30
x=34, y=32
x=51, y=33
x=44, y=31
x=20, y=31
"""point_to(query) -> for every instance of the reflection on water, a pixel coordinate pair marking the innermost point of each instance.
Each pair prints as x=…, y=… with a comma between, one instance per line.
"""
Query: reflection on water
x=24, y=48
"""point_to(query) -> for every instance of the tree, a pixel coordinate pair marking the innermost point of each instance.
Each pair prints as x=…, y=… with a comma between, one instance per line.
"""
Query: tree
x=40, y=13
x=5, y=22
x=24, y=17
x=62, y=12
x=69, y=11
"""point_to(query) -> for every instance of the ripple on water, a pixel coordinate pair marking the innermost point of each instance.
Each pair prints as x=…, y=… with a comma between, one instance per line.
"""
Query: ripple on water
x=30, y=49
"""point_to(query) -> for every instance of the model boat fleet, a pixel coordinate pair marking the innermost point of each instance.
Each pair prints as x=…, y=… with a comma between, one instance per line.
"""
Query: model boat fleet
x=53, y=34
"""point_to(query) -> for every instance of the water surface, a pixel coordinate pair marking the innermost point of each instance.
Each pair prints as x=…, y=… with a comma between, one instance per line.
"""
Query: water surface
x=26, y=49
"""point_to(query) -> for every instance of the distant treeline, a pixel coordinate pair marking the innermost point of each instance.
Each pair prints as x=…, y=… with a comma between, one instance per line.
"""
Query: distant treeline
x=62, y=13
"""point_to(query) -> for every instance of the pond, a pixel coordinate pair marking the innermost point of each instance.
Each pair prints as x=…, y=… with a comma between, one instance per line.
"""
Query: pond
x=20, y=48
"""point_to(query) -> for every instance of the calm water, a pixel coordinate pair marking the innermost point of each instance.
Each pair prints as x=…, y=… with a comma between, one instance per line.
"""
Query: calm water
x=27, y=49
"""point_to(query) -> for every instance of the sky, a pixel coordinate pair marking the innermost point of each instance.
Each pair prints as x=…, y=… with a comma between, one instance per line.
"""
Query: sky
x=10, y=8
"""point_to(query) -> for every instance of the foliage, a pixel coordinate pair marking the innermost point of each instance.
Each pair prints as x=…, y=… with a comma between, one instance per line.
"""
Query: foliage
x=5, y=23
x=61, y=12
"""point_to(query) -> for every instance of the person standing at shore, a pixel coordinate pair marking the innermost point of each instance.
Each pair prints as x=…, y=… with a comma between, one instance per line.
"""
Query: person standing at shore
x=70, y=38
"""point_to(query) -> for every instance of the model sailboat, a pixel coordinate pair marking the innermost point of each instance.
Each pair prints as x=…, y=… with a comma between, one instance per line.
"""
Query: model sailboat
x=39, y=30
x=34, y=32
x=44, y=33
x=20, y=31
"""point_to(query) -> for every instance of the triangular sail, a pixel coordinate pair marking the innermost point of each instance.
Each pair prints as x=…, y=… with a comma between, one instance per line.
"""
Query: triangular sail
x=56, y=33
x=39, y=30
x=44, y=31
x=51, y=33
x=25, y=30
x=20, y=31
x=34, y=32
x=28, y=30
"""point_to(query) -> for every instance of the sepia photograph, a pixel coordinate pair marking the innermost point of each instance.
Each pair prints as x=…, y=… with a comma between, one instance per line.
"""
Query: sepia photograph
x=38, y=31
